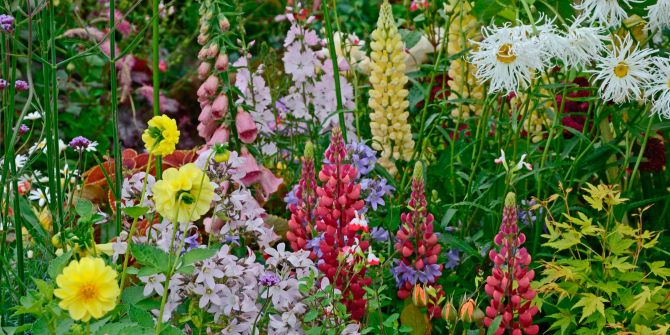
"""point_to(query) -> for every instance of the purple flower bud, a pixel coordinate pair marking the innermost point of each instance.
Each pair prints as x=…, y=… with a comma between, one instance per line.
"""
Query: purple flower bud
x=21, y=85
x=6, y=23
x=269, y=279
x=79, y=143
x=3, y=84
x=23, y=129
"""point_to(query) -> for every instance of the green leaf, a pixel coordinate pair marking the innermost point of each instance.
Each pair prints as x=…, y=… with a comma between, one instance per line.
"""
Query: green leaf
x=410, y=37
x=141, y=317
x=563, y=320
x=658, y=268
x=199, y=254
x=84, y=208
x=58, y=264
x=591, y=303
x=135, y=211
x=151, y=256
x=493, y=327
x=311, y=315
x=132, y=295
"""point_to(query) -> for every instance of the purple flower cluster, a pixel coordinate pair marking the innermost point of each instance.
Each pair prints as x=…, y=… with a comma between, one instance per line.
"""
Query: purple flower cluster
x=3, y=84
x=21, y=85
x=363, y=157
x=376, y=189
x=314, y=245
x=407, y=274
x=526, y=214
x=269, y=279
x=6, y=23
x=379, y=234
x=23, y=129
x=453, y=259
x=291, y=198
x=79, y=143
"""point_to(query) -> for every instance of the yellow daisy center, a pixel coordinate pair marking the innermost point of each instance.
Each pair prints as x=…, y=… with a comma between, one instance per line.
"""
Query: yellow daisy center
x=505, y=54
x=88, y=292
x=621, y=69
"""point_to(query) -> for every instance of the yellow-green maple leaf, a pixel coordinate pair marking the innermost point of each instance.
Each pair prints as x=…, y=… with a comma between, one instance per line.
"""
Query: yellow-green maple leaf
x=658, y=268
x=591, y=303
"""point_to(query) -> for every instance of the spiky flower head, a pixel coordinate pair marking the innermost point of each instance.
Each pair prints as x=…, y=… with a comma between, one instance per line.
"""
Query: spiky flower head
x=391, y=133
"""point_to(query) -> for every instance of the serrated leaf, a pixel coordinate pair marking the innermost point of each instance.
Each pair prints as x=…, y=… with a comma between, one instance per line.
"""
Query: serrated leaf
x=591, y=303
x=141, y=317
x=658, y=268
x=150, y=256
x=58, y=264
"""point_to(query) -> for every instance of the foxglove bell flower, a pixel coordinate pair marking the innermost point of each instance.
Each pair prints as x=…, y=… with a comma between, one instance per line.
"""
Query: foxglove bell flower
x=509, y=284
x=246, y=127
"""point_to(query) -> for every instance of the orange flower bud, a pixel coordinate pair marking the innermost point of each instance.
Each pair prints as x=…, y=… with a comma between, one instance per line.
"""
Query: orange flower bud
x=467, y=309
x=419, y=296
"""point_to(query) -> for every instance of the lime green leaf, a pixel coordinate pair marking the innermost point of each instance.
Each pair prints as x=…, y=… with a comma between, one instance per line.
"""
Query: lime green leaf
x=642, y=298
x=566, y=241
x=658, y=268
x=591, y=303
x=135, y=211
x=620, y=264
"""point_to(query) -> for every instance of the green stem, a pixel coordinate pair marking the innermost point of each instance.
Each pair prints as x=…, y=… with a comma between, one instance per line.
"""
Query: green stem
x=154, y=75
x=118, y=163
x=629, y=182
x=336, y=70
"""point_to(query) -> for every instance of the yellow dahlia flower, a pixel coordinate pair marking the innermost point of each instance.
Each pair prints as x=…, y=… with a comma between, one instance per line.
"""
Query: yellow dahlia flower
x=161, y=135
x=183, y=195
x=463, y=84
x=391, y=132
x=87, y=288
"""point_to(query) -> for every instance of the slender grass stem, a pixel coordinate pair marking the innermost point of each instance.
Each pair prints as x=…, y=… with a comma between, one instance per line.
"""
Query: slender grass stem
x=155, y=79
x=118, y=163
x=336, y=70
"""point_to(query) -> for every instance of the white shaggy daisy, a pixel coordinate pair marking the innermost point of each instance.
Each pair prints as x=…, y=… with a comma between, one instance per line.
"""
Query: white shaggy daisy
x=508, y=57
x=606, y=12
x=658, y=18
x=658, y=89
x=584, y=44
x=623, y=71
